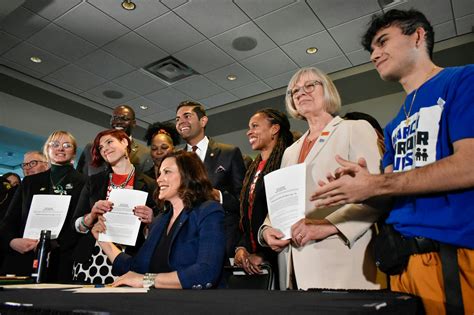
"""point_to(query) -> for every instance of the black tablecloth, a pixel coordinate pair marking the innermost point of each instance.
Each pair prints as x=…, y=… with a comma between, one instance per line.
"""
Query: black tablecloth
x=51, y=301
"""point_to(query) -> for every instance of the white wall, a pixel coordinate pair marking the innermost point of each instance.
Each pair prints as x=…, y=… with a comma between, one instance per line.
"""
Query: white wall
x=382, y=108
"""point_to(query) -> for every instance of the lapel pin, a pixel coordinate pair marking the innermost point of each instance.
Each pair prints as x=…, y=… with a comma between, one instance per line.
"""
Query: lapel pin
x=42, y=188
x=69, y=186
x=325, y=133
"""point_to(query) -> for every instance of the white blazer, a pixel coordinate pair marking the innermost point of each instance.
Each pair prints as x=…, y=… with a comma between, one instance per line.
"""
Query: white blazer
x=345, y=260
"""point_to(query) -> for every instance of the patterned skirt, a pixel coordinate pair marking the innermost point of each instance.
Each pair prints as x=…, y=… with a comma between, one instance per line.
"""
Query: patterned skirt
x=98, y=270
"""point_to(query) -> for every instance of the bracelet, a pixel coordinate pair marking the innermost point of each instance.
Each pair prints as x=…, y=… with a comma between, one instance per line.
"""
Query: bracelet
x=149, y=280
x=83, y=223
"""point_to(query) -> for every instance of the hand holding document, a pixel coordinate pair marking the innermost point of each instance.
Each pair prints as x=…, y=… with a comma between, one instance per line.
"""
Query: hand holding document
x=47, y=212
x=286, y=192
x=122, y=224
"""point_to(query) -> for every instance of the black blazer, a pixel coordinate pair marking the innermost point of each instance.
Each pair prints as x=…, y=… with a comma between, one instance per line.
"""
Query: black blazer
x=14, y=223
x=226, y=169
x=259, y=213
x=96, y=189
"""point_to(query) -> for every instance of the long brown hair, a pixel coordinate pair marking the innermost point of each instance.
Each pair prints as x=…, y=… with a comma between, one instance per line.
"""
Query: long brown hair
x=195, y=185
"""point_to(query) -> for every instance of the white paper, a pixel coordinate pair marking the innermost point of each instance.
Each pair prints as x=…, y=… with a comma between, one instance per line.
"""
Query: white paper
x=286, y=192
x=122, y=225
x=109, y=289
x=47, y=212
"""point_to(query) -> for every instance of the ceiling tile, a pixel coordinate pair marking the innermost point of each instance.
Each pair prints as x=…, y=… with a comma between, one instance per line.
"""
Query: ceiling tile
x=144, y=11
x=65, y=44
x=198, y=87
x=98, y=99
x=7, y=42
x=77, y=77
x=104, y=65
x=349, y=35
x=172, y=4
x=168, y=98
x=280, y=80
x=254, y=9
x=218, y=100
x=153, y=107
x=251, y=89
x=204, y=57
x=465, y=24
x=50, y=9
x=135, y=50
x=219, y=76
x=277, y=24
x=436, y=11
x=358, y=57
x=333, y=65
x=140, y=82
x=327, y=48
x=462, y=7
x=22, y=23
x=336, y=12
x=20, y=68
x=90, y=23
x=160, y=117
x=223, y=15
x=109, y=86
x=269, y=64
x=170, y=32
x=62, y=85
x=21, y=54
x=249, y=29
x=444, y=31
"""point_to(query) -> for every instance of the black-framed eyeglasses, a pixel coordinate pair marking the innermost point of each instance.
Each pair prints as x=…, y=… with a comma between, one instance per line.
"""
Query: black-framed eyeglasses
x=308, y=87
x=31, y=164
x=123, y=118
x=57, y=144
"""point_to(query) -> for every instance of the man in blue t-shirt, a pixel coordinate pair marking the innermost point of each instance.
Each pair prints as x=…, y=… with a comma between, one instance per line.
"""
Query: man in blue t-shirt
x=429, y=162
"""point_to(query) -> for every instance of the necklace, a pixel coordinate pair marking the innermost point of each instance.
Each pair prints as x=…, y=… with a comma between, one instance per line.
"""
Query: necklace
x=407, y=113
x=58, y=189
x=122, y=185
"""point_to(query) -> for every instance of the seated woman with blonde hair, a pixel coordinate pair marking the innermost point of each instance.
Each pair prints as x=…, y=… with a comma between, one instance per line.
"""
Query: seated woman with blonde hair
x=186, y=245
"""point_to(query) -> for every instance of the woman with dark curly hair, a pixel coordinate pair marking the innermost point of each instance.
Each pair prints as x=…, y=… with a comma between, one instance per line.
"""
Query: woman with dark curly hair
x=185, y=247
x=162, y=138
x=269, y=134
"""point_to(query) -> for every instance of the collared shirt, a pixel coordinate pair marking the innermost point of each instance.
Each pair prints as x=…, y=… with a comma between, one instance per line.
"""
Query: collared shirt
x=202, y=148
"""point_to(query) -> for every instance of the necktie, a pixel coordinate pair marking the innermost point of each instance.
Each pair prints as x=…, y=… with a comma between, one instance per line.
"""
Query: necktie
x=194, y=147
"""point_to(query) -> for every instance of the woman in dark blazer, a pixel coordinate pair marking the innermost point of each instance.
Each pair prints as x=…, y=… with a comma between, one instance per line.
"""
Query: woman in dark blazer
x=186, y=245
x=113, y=147
x=60, y=179
x=269, y=133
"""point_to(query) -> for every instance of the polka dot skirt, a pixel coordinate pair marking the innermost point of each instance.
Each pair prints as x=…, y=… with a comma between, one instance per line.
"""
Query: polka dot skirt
x=98, y=270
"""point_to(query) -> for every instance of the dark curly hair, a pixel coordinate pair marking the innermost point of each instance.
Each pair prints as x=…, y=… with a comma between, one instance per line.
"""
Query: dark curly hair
x=408, y=21
x=195, y=187
x=165, y=128
x=285, y=139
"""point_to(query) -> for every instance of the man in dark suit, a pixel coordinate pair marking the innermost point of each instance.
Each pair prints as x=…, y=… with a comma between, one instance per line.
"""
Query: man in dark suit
x=224, y=164
x=123, y=117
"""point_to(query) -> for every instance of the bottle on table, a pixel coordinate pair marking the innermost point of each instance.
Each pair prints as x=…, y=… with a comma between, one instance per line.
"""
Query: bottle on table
x=40, y=264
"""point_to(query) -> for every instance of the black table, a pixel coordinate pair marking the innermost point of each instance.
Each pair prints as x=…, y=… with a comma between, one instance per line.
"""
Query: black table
x=52, y=301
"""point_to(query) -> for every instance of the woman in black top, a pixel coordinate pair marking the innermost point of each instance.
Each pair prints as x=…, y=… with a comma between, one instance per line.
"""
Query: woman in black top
x=269, y=133
x=61, y=179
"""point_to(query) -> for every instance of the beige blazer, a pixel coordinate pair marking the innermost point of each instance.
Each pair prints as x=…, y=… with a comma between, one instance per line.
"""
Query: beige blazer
x=342, y=261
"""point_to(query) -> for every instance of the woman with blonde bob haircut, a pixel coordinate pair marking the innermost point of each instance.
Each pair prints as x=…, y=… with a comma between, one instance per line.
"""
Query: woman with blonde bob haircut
x=329, y=248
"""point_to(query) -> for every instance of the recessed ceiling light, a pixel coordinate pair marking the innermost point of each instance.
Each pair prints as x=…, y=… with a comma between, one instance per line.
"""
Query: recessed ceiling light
x=128, y=5
x=36, y=59
x=231, y=77
x=311, y=50
x=144, y=107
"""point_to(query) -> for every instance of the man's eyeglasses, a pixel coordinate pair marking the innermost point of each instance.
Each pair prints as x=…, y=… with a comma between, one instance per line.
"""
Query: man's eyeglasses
x=308, y=87
x=31, y=164
x=120, y=118
x=57, y=144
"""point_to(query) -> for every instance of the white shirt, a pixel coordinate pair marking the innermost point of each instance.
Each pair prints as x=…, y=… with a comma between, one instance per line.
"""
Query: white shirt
x=202, y=148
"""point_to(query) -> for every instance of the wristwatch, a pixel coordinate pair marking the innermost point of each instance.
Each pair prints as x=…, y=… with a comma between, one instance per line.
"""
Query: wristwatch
x=149, y=280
